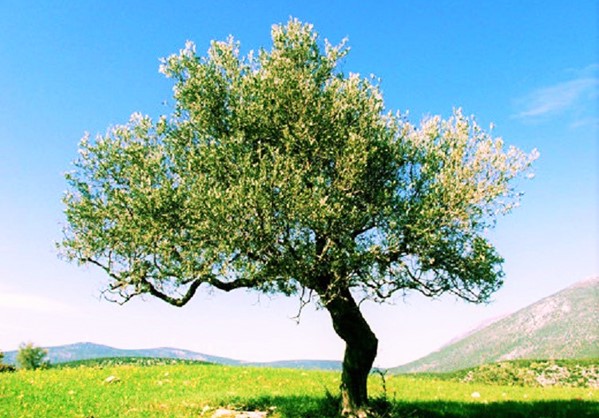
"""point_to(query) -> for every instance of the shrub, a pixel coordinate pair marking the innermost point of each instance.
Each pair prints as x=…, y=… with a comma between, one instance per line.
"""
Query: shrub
x=6, y=368
x=31, y=357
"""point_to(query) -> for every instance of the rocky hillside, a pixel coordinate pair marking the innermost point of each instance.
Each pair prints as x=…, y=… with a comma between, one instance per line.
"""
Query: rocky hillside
x=562, y=326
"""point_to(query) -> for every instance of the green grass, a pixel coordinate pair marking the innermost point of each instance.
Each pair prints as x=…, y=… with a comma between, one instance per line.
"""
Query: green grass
x=195, y=390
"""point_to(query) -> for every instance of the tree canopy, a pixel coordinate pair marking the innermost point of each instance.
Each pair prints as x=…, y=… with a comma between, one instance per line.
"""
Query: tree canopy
x=277, y=171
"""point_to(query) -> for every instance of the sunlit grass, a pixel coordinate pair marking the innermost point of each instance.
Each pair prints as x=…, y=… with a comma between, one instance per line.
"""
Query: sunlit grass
x=192, y=390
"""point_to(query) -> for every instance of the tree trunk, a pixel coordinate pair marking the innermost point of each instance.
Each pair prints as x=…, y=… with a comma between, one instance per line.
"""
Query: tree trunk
x=360, y=352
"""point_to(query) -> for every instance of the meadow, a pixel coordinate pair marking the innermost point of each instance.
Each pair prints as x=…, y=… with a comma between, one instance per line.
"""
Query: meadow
x=187, y=389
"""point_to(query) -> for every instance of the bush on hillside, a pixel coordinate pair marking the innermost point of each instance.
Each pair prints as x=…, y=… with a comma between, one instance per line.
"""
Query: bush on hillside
x=5, y=367
x=31, y=357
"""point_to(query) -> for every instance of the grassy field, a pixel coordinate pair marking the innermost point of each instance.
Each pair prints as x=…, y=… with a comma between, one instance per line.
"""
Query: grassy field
x=161, y=389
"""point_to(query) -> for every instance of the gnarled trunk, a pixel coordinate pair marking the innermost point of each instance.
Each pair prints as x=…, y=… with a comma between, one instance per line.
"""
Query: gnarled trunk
x=360, y=352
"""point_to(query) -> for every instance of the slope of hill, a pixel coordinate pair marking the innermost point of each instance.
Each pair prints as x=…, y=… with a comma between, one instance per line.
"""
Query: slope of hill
x=562, y=326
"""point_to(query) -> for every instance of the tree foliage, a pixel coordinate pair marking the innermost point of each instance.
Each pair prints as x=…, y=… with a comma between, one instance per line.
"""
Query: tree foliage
x=275, y=166
x=30, y=357
x=278, y=172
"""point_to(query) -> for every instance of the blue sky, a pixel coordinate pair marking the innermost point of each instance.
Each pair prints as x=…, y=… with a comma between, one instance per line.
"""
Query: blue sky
x=529, y=67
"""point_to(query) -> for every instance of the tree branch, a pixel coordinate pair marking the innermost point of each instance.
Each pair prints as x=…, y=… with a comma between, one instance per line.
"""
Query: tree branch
x=304, y=301
x=152, y=290
x=143, y=284
x=228, y=286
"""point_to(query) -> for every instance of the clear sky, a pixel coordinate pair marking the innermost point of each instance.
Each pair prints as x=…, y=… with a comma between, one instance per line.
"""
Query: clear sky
x=66, y=67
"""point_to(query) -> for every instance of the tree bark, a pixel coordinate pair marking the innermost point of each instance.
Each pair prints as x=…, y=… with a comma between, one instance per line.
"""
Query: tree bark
x=360, y=352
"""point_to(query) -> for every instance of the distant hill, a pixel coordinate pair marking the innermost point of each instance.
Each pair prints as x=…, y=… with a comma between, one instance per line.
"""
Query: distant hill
x=84, y=351
x=301, y=364
x=562, y=326
x=87, y=351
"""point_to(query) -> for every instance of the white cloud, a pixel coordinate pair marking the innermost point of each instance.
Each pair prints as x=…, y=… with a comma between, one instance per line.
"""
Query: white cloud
x=558, y=98
x=576, y=96
x=30, y=302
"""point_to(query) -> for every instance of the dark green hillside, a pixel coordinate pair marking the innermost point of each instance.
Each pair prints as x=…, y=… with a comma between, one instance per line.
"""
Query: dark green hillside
x=582, y=373
x=105, y=362
x=562, y=326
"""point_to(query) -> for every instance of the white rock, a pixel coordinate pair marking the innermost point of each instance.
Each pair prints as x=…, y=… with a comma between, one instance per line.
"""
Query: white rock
x=112, y=379
x=228, y=413
x=223, y=413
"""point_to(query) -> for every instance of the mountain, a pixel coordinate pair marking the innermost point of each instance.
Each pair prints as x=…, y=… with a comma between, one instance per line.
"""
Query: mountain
x=85, y=351
x=562, y=326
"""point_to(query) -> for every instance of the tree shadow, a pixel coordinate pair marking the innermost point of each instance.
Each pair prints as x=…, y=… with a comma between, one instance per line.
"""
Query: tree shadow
x=327, y=407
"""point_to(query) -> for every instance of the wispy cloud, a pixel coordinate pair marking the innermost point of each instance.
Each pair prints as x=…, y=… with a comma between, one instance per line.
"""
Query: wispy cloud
x=576, y=96
x=556, y=99
x=28, y=302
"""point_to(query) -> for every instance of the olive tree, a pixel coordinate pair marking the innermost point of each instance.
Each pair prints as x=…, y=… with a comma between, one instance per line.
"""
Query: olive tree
x=278, y=172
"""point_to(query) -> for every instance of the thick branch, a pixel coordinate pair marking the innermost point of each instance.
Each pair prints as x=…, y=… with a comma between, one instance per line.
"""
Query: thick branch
x=172, y=300
x=143, y=284
x=228, y=286
x=193, y=287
